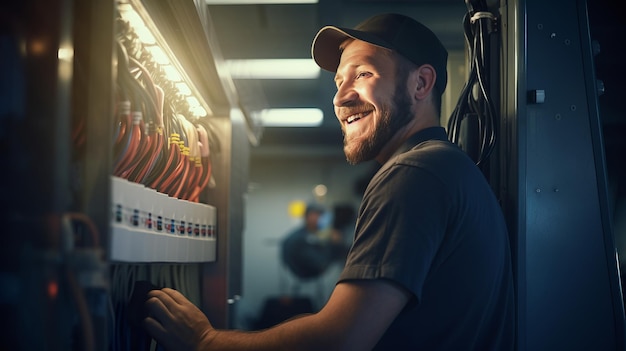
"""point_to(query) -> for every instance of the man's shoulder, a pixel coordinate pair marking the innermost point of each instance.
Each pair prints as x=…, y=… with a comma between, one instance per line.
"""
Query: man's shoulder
x=434, y=154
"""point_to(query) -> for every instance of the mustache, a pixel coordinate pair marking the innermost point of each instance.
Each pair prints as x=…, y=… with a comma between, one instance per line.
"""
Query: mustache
x=348, y=110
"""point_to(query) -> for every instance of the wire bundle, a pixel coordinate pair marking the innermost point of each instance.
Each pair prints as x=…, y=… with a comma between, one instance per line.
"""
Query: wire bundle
x=183, y=277
x=155, y=143
x=475, y=105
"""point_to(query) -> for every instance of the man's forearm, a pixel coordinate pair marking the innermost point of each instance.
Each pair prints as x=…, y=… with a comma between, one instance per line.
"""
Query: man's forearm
x=301, y=333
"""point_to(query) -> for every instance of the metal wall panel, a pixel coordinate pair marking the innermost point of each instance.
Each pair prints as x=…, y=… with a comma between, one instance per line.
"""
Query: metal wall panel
x=568, y=286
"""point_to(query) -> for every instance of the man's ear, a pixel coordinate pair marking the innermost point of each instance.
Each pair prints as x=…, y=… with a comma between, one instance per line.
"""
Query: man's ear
x=423, y=79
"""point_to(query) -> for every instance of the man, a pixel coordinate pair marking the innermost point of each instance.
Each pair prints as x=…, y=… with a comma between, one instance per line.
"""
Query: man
x=430, y=267
x=305, y=253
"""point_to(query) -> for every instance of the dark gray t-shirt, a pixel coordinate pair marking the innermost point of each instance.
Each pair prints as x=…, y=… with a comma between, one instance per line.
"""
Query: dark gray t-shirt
x=430, y=222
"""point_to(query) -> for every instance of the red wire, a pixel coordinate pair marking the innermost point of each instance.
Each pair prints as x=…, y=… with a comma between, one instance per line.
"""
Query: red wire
x=156, y=151
x=133, y=147
x=124, y=121
x=174, y=164
x=206, y=176
x=178, y=175
x=144, y=149
x=171, y=156
x=194, y=179
x=184, y=173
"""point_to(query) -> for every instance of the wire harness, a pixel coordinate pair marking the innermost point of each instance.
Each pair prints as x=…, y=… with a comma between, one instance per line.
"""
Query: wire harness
x=473, y=124
x=157, y=140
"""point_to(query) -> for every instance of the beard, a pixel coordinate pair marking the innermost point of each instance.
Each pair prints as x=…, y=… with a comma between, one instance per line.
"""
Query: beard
x=393, y=116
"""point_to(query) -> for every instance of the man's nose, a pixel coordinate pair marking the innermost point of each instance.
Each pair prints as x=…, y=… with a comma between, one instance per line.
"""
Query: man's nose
x=345, y=95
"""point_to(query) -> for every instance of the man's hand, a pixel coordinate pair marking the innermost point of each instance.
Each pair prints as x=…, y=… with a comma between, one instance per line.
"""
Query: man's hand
x=355, y=317
x=175, y=323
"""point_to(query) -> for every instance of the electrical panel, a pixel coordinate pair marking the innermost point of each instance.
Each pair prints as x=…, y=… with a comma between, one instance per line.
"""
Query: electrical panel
x=170, y=195
x=129, y=170
x=161, y=151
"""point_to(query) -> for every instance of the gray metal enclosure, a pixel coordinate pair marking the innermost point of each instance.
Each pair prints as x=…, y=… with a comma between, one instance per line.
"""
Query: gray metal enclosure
x=568, y=286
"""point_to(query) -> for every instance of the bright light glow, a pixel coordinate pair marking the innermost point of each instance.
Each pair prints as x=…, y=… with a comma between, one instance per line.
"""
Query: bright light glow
x=133, y=18
x=183, y=89
x=161, y=55
x=158, y=55
x=66, y=57
x=320, y=190
x=123, y=8
x=249, y=2
x=171, y=73
x=198, y=111
x=145, y=35
x=65, y=53
x=273, y=69
x=292, y=117
x=193, y=102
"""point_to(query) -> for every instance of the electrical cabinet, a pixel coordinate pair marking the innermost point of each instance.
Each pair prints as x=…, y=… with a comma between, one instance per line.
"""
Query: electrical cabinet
x=129, y=164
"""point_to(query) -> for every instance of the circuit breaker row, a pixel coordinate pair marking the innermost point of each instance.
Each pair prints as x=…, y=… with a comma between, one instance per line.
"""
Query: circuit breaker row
x=148, y=226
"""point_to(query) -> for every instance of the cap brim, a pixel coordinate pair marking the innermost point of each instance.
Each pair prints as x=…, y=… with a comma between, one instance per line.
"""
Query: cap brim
x=325, y=48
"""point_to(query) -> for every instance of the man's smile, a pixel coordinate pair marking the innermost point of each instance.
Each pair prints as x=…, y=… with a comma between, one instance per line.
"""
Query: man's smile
x=356, y=117
x=350, y=115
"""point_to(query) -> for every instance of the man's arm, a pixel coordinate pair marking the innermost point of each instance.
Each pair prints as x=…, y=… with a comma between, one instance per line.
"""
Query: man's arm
x=355, y=317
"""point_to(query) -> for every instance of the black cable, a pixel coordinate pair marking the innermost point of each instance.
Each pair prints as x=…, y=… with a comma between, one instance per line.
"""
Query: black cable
x=474, y=100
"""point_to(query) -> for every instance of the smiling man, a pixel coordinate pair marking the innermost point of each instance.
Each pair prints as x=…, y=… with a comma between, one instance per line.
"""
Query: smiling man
x=372, y=108
x=430, y=266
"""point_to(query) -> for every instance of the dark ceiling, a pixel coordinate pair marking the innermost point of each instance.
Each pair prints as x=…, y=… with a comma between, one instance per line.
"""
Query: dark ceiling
x=286, y=31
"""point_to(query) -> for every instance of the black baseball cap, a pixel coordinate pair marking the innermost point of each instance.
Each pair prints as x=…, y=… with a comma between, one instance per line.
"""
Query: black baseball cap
x=400, y=33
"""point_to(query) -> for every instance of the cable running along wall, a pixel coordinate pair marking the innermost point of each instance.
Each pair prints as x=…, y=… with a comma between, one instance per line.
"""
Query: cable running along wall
x=472, y=124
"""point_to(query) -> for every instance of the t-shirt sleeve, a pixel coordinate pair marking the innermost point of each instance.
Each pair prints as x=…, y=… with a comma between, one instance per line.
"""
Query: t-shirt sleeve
x=401, y=225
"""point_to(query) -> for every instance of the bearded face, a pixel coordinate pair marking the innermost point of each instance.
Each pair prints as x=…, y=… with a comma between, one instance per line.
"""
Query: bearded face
x=372, y=102
x=392, y=115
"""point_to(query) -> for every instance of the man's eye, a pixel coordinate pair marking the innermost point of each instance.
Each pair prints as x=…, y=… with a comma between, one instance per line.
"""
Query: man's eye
x=338, y=82
x=361, y=75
